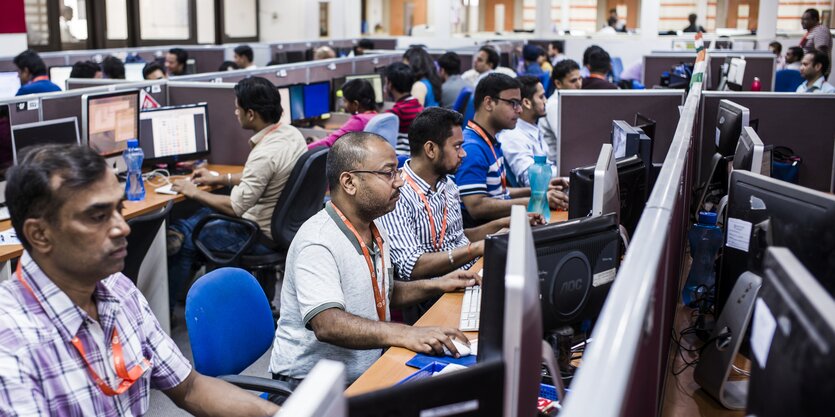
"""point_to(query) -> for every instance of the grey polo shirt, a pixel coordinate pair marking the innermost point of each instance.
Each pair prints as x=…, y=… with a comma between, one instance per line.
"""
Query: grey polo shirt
x=326, y=269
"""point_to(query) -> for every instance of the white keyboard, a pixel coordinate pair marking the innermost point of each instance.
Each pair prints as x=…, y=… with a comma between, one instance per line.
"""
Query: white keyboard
x=470, y=309
x=165, y=189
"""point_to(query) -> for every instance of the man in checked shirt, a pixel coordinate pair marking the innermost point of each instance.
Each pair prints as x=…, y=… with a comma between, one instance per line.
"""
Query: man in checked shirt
x=77, y=338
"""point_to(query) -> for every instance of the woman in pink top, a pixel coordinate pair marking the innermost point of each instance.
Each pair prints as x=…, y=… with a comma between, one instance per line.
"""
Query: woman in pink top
x=361, y=102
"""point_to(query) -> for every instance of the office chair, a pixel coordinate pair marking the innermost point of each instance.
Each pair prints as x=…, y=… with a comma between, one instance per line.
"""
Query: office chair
x=787, y=80
x=463, y=98
x=143, y=230
x=386, y=125
x=230, y=326
x=302, y=198
x=617, y=69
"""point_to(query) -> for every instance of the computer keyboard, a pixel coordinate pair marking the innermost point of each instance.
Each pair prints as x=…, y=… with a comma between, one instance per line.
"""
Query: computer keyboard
x=470, y=309
x=165, y=189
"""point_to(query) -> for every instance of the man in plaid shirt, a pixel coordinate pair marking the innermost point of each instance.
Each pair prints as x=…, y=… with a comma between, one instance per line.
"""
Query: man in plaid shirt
x=76, y=336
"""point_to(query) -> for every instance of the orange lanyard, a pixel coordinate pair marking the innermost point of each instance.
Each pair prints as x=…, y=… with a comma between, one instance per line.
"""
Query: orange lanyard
x=598, y=76
x=435, y=243
x=39, y=78
x=379, y=300
x=129, y=377
x=477, y=129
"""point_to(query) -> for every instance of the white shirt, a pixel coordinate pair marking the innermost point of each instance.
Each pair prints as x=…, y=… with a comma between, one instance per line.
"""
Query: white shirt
x=608, y=30
x=819, y=86
x=519, y=146
x=473, y=77
x=549, y=125
x=793, y=66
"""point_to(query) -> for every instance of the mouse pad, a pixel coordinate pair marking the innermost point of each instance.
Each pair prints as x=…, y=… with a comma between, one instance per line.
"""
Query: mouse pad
x=420, y=360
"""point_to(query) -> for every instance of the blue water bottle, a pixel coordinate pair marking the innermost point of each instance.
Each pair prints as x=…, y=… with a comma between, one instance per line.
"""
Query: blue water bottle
x=539, y=175
x=705, y=240
x=134, y=186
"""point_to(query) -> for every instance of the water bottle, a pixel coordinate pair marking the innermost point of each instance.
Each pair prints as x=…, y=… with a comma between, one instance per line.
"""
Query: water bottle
x=340, y=101
x=134, y=186
x=539, y=175
x=705, y=240
x=756, y=85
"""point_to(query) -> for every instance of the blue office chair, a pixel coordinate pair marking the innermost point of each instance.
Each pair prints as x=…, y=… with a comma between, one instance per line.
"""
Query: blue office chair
x=230, y=326
x=787, y=81
x=463, y=98
x=401, y=160
x=469, y=112
x=386, y=125
x=617, y=68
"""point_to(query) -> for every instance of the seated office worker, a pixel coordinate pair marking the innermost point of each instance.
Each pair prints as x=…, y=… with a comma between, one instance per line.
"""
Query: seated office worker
x=525, y=141
x=275, y=150
x=153, y=71
x=566, y=76
x=244, y=57
x=399, y=80
x=449, y=69
x=813, y=68
x=32, y=73
x=600, y=64
x=69, y=315
x=481, y=178
x=339, y=282
x=360, y=103
x=175, y=61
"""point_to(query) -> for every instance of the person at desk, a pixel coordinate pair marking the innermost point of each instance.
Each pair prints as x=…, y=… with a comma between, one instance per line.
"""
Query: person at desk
x=449, y=69
x=339, y=282
x=399, y=81
x=32, y=73
x=244, y=57
x=794, y=56
x=69, y=315
x=600, y=64
x=566, y=76
x=481, y=178
x=175, y=61
x=814, y=67
x=85, y=69
x=153, y=71
x=112, y=67
x=275, y=149
x=360, y=103
x=521, y=143
x=427, y=86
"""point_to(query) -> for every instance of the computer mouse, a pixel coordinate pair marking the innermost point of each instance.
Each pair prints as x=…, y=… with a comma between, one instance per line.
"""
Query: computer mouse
x=463, y=349
x=214, y=173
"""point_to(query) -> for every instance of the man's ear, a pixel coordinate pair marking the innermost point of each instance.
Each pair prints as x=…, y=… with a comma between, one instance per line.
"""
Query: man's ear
x=37, y=233
x=430, y=148
x=348, y=183
x=527, y=103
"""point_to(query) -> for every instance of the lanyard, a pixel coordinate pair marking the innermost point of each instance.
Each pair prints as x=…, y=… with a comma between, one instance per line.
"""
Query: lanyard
x=129, y=377
x=435, y=243
x=379, y=300
x=598, y=76
x=477, y=129
x=39, y=78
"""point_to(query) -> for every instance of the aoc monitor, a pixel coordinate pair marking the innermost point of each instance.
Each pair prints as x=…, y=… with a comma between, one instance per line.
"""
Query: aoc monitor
x=58, y=131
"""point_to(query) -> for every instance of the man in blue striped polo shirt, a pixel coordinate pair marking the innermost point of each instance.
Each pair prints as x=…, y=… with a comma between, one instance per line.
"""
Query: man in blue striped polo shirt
x=482, y=178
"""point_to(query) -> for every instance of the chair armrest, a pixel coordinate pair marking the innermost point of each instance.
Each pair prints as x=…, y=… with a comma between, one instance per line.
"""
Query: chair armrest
x=254, y=235
x=255, y=383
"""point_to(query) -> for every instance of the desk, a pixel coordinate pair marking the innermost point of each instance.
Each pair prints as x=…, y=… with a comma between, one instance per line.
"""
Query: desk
x=391, y=367
x=153, y=274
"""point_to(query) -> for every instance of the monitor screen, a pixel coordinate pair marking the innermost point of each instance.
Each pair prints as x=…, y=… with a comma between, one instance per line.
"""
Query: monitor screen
x=109, y=120
x=316, y=99
x=296, y=102
x=730, y=119
x=376, y=81
x=62, y=131
x=6, y=154
x=632, y=184
x=749, y=151
x=9, y=84
x=133, y=71
x=59, y=75
x=285, y=105
x=174, y=133
x=624, y=139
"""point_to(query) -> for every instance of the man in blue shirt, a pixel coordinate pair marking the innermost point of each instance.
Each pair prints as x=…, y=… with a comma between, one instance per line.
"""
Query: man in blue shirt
x=32, y=73
x=482, y=178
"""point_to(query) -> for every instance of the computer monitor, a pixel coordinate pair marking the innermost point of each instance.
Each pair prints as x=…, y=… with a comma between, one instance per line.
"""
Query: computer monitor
x=376, y=82
x=632, y=184
x=133, y=71
x=736, y=72
x=191, y=66
x=173, y=134
x=59, y=75
x=606, y=197
x=645, y=124
x=6, y=152
x=296, y=102
x=9, y=84
x=317, y=99
x=320, y=394
x=61, y=131
x=624, y=138
x=764, y=212
x=749, y=151
x=730, y=119
x=793, y=340
x=108, y=120
x=284, y=92
x=296, y=56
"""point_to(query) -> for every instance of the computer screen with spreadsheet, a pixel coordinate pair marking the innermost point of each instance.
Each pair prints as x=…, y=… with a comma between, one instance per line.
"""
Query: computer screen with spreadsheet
x=108, y=120
x=171, y=134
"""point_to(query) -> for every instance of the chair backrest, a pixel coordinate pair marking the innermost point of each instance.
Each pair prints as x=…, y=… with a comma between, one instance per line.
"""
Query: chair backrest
x=302, y=196
x=463, y=98
x=469, y=112
x=787, y=81
x=617, y=68
x=386, y=125
x=401, y=160
x=229, y=322
x=143, y=230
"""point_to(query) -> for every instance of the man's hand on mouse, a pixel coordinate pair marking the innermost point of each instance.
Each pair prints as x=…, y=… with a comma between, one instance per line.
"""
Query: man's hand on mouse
x=202, y=176
x=457, y=280
x=431, y=340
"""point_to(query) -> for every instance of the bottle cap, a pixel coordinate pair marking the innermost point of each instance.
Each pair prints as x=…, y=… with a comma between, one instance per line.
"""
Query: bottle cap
x=539, y=159
x=133, y=143
x=707, y=217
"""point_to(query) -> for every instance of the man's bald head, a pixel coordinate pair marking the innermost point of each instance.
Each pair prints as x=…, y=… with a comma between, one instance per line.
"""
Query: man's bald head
x=348, y=153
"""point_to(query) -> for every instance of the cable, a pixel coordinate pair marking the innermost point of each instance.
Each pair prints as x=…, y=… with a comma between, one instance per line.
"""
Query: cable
x=153, y=176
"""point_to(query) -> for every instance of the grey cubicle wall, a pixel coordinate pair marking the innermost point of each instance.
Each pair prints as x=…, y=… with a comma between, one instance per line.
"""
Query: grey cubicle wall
x=586, y=121
x=207, y=58
x=228, y=141
x=803, y=122
x=757, y=64
x=22, y=109
x=658, y=62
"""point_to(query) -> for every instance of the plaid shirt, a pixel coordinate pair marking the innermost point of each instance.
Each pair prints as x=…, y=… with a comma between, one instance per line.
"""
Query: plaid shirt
x=41, y=373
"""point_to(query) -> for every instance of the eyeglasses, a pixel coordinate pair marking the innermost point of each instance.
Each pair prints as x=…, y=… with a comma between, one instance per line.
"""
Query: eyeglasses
x=389, y=176
x=515, y=104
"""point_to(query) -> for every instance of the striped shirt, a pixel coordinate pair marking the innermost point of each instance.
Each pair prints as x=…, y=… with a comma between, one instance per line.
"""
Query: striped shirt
x=408, y=226
x=41, y=373
x=406, y=109
x=817, y=38
x=481, y=172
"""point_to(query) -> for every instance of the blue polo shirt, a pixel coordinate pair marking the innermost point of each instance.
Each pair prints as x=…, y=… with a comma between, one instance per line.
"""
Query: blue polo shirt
x=480, y=172
x=40, y=86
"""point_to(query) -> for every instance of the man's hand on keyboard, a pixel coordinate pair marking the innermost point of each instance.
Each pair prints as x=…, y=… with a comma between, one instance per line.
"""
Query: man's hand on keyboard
x=431, y=340
x=184, y=187
x=458, y=280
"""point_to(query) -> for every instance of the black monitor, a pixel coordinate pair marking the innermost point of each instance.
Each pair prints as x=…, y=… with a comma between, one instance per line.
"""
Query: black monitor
x=749, y=152
x=793, y=342
x=108, y=120
x=645, y=124
x=172, y=134
x=59, y=131
x=295, y=56
x=764, y=212
x=730, y=119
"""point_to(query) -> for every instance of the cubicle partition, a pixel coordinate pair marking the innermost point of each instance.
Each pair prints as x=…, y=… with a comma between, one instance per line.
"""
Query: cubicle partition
x=759, y=64
x=803, y=122
x=22, y=110
x=207, y=58
x=657, y=63
x=582, y=131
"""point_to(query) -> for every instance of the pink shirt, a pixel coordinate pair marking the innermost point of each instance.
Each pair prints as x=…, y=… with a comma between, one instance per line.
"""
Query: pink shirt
x=356, y=123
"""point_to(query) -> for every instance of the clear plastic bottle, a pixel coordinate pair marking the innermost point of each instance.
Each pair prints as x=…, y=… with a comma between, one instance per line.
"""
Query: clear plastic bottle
x=340, y=101
x=134, y=186
x=539, y=175
x=705, y=240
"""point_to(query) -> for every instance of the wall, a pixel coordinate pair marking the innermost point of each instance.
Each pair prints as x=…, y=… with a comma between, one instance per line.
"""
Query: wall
x=12, y=28
x=397, y=10
x=490, y=12
x=286, y=20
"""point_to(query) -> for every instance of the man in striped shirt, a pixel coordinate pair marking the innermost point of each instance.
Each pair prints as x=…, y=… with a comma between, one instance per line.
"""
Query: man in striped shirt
x=481, y=179
x=399, y=80
x=817, y=36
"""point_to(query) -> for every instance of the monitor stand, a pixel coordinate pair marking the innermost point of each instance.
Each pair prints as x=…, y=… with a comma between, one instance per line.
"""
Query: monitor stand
x=117, y=163
x=178, y=168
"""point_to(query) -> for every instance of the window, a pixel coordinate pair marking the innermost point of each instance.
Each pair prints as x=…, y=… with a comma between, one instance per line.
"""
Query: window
x=789, y=13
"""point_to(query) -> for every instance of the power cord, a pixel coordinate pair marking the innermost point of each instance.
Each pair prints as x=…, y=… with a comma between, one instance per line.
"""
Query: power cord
x=157, y=178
